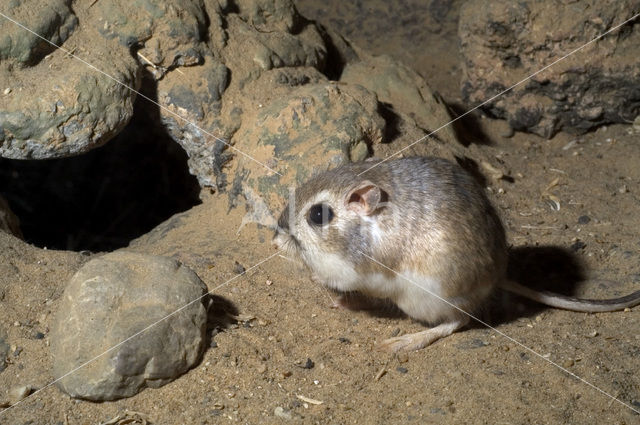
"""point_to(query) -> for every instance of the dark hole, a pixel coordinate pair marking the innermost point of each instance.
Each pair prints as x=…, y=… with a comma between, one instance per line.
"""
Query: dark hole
x=101, y=200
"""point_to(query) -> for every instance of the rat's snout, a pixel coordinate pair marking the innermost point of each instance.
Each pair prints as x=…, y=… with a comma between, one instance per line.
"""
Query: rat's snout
x=282, y=229
x=275, y=240
x=279, y=238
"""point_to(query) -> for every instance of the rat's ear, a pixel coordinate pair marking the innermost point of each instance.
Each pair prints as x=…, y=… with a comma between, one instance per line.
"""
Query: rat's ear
x=365, y=198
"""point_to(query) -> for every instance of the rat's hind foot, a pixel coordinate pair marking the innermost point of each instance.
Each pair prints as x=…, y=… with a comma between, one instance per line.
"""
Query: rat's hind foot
x=418, y=340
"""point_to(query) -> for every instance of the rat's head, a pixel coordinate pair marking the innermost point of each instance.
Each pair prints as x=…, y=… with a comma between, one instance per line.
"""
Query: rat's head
x=330, y=219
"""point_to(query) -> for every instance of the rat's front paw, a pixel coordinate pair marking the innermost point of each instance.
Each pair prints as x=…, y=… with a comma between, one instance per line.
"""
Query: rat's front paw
x=356, y=301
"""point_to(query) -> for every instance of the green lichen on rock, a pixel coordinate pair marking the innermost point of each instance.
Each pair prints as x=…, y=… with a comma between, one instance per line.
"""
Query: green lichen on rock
x=315, y=127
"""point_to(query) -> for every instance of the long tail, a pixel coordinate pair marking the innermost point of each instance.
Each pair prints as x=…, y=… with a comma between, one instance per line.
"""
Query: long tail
x=570, y=303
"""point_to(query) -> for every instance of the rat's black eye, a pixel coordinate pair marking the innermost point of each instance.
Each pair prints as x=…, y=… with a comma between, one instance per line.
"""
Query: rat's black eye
x=320, y=215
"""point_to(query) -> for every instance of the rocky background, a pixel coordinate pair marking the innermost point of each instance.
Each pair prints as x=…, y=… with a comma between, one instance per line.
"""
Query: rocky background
x=236, y=101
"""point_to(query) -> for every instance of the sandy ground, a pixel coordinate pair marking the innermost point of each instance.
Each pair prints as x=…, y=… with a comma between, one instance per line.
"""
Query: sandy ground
x=570, y=206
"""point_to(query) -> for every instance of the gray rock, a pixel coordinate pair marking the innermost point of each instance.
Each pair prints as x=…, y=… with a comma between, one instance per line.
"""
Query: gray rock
x=113, y=298
x=269, y=15
x=402, y=87
x=60, y=107
x=504, y=41
x=169, y=32
x=54, y=20
x=9, y=222
x=51, y=105
x=196, y=95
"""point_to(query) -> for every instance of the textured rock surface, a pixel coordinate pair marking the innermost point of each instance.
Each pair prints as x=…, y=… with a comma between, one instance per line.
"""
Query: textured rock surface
x=114, y=297
x=265, y=88
x=53, y=20
x=505, y=41
x=252, y=44
x=403, y=89
x=8, y=220
x=318, y=125
x=50, y=104
x=225, y=74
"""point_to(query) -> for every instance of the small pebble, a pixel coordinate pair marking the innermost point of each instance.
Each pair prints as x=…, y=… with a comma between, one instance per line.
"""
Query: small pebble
x=578, y=245
x=7, y=90
x=286, y=374
x=344, y=340
x=402, y=369
x=19, y=393
x=308, y=364
x=567, y=363
x=584, y=219
x=238, y=268
x=403, y=357
x=282, y=413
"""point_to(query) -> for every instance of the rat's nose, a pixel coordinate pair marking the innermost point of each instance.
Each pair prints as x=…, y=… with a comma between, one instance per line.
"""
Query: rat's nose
x=276, y=240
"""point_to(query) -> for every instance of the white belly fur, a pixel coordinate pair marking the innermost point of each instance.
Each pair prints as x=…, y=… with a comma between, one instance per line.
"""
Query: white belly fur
x=333, y=271
x=421, y=297
x=416, y=295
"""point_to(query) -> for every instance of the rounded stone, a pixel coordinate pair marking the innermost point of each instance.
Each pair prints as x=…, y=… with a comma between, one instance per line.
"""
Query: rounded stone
x=127, y=321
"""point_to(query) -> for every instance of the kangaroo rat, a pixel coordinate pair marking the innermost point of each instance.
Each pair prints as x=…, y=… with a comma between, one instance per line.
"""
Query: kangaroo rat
x=426, y=219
